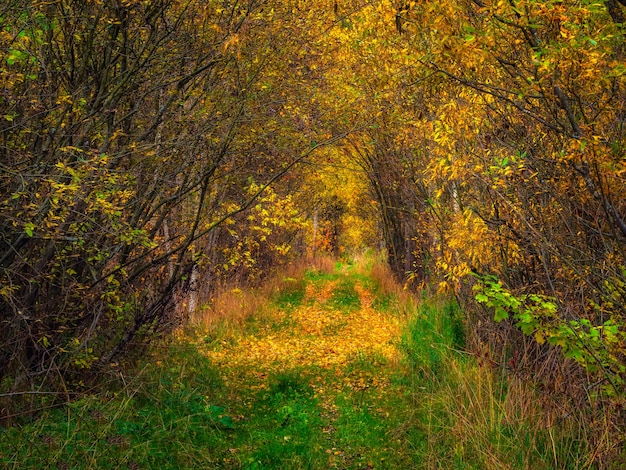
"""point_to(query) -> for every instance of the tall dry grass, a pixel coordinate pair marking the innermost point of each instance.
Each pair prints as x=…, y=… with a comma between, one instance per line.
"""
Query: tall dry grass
x=403, y=300
x=231, y=305
x=500, y=422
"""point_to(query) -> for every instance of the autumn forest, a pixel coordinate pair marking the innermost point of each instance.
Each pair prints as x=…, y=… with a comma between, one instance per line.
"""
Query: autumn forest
x=447, y=172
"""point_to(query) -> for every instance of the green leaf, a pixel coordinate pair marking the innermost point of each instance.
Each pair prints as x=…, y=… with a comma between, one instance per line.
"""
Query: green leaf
x=226, y=421
x=28, y=228
x=481, y=297
x=575, y=354
x=527, y=328
x=15, y=56
x=500, y=314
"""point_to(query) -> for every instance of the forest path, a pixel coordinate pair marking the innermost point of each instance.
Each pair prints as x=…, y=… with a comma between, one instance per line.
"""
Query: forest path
x=317, y=380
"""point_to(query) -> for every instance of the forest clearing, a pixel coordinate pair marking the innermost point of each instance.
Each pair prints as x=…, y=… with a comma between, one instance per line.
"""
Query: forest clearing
x=172, y=171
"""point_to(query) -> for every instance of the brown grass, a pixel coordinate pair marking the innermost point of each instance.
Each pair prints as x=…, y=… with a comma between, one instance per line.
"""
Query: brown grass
x=232, y=305
x=490, y=420
x=322, y=264
x=404, y=300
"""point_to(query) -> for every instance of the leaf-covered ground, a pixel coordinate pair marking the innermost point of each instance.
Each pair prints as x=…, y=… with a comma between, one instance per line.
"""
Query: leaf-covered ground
x=317, y=334
x=318, y=380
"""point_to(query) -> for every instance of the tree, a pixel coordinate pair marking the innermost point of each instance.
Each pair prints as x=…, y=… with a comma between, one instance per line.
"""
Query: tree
x=126, y=137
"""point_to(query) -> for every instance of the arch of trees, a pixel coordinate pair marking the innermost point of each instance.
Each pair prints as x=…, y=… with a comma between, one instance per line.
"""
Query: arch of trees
x=151, y=147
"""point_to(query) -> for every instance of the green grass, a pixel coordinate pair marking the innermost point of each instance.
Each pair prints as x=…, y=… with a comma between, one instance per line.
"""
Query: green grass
x=291, y=297
x=344, y=296
x=429, y=336
x=318, y=277
x=167, y=416
x=383, y=303
x=470, y=415
x=284, y=425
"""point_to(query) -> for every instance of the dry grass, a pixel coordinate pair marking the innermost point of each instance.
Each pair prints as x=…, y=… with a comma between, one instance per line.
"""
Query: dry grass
x=320, y=264
x=477, y=412
x=231, y=305
x=556, y=403
x=501, y=422
x=403, y=299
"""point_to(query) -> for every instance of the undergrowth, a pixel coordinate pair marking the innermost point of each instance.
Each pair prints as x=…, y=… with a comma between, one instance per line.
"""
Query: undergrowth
x=473, y=415
x=166, y=416
x=429, y=405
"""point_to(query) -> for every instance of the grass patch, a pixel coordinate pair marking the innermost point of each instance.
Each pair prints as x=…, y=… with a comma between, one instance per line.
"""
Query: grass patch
x=165, y=417
x=290, y=384
x=289, y=299
x=425, y=341
x=383, y=303
x=284, y=425
x=373, y=430
x=366, y=362
x=315, y=276
x=344, y=297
